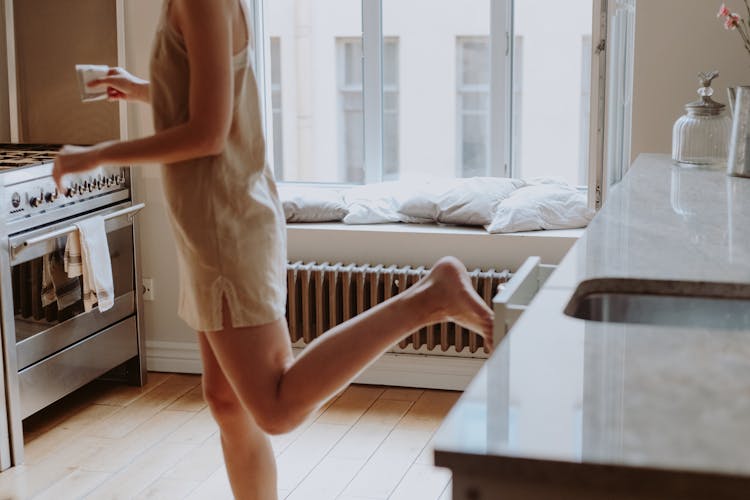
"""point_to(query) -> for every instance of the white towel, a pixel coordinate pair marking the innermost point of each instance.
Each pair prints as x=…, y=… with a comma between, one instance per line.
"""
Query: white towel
x=87, y=254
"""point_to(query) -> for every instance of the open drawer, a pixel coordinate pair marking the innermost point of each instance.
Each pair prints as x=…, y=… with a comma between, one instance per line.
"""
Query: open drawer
x=514, y=296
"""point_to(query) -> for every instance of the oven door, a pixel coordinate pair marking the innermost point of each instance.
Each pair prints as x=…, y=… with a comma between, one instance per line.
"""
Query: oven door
x=48, y=306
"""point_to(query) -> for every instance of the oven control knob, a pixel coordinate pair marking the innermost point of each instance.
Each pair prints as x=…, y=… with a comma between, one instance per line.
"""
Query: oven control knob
x=15, y=200
x=51, y=196
x=35, y=201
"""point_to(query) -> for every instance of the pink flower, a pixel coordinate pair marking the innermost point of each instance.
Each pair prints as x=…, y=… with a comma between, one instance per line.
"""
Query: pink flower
x=731, y=21
x=723, y=11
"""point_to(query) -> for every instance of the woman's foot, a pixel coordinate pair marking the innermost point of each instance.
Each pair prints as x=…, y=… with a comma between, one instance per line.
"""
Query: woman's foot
x=446, y=294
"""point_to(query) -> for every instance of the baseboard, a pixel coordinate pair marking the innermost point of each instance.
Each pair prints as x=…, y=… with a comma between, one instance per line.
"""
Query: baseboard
x=393, y=369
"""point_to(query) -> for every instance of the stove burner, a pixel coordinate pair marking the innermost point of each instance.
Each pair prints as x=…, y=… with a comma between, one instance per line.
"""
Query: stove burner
x=26, y=155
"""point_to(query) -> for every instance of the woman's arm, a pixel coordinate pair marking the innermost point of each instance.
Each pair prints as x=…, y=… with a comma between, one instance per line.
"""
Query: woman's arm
x=206, y=26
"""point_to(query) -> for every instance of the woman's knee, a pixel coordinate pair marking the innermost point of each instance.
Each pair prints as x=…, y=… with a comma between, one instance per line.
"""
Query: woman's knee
x=223, y=403
x=276, y=418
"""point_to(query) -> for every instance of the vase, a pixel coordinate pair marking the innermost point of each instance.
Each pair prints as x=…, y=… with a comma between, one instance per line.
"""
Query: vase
x=738, y=163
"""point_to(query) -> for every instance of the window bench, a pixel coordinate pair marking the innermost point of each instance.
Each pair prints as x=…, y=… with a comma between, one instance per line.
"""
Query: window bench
x=423, y=244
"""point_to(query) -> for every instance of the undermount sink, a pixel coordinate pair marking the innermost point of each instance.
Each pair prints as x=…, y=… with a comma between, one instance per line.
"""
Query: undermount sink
x=667, y=303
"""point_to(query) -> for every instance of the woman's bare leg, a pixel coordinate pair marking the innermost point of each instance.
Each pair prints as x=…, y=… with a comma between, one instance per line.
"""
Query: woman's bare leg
x=248, y=456
x=281, y=392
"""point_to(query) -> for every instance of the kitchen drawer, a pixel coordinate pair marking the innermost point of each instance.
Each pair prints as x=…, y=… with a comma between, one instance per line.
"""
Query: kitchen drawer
x=56, y=376
x=515, y=295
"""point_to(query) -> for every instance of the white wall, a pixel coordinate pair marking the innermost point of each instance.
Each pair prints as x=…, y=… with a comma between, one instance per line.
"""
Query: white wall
x=157, y=246
x=675, y=40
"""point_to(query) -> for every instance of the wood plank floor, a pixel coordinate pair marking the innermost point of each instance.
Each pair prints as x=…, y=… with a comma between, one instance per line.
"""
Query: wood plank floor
x=109, y=440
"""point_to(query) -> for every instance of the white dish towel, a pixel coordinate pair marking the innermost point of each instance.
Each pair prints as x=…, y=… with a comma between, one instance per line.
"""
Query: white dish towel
x=87, y=254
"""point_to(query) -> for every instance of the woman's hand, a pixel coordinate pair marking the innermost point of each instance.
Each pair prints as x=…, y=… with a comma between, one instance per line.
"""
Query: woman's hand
x=121, y=85
x=72, y=159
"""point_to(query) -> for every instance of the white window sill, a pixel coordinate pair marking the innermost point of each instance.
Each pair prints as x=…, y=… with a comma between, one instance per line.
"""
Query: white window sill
x=423, y=244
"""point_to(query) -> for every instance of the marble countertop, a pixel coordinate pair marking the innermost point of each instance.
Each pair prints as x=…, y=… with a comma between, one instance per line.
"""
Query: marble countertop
x=563, y=398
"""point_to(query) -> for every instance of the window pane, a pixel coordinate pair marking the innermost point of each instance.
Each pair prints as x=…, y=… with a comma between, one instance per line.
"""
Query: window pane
x=430, y=78
x=473, y=94
x=390, y=63
x=276, y=105
x=476, y=101
x=474, y=145
x=352, y=63
x=555, y=66
x=474, y=67
x=320, y=89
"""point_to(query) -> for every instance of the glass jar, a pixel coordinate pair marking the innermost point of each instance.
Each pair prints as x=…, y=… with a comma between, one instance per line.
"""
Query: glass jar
x=701, y=136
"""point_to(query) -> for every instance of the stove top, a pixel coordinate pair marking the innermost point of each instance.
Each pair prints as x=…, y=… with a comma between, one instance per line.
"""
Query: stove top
x=29, y=196
x=26, y=155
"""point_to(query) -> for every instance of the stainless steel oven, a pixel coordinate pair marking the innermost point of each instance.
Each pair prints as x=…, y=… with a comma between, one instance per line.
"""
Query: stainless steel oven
x=52, y=346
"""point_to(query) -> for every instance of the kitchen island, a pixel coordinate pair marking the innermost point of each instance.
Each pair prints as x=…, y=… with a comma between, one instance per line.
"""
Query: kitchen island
x=571, y=408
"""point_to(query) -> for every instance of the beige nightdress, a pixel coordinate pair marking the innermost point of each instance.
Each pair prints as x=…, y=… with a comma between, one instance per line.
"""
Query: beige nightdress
x=228, y=222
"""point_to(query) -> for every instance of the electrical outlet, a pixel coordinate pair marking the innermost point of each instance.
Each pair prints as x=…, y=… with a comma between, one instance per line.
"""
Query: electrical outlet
x=148, y=289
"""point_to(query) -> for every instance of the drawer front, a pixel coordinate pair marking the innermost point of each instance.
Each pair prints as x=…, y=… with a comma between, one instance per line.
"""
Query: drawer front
x=517, y=294
x=50, y=379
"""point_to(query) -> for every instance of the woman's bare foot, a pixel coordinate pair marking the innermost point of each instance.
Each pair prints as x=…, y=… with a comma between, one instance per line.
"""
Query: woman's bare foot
x=446, y=294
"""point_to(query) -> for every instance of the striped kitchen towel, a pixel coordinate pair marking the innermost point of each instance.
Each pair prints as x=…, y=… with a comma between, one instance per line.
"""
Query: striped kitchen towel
x=87, y=255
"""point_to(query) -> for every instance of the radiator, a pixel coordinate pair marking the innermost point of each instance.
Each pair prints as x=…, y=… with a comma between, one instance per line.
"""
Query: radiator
x=322, y=295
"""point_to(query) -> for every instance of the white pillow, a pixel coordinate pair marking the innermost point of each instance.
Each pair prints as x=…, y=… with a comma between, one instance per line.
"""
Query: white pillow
x=311, y=204
x=377, y=203
x=469, y=201
x=541, y=206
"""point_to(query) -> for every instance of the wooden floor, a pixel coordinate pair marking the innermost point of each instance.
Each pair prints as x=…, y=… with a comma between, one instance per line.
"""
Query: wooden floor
x=159, y=441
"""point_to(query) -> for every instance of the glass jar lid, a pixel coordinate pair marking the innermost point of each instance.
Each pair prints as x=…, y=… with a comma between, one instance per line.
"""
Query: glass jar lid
x=705, y=106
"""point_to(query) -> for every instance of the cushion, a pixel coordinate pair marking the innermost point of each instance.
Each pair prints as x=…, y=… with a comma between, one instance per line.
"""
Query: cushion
x=377, y=203
x=542, y=206
x=306, y=204
x=469, y=201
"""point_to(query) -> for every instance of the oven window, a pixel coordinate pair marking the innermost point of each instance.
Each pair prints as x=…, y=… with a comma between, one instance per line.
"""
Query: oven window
x=45, y=297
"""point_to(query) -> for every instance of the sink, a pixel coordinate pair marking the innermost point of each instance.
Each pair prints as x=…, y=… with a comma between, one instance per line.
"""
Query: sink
x=667, y=303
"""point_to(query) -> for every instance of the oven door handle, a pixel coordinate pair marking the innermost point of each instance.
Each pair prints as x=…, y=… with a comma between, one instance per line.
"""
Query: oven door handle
x=131, y=211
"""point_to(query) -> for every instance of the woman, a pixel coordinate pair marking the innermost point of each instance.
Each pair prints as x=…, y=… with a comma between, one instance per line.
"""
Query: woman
x=230, y=234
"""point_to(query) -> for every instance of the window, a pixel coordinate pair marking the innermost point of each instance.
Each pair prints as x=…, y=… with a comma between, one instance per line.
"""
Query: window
x=351, y=110
x=473, y=101
x=277, y=114
x=390, y=109
x=585, y=114
x=384, y=89
x=517, y=115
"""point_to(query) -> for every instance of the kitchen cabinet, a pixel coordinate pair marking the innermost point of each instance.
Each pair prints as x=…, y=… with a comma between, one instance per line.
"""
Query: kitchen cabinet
x=44, y=40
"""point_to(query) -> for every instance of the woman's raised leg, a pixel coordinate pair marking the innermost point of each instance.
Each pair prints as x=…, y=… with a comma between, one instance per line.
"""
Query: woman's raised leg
x=281, y=391
x=247, y=450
